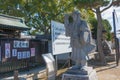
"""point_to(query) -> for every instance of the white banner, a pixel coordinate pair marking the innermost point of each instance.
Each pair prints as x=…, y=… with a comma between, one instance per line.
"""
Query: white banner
x=60, y=43
x=32, y=52
x=7, y=50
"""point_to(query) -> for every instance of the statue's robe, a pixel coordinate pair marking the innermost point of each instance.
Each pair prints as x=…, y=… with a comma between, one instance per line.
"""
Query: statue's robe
x=81, y=39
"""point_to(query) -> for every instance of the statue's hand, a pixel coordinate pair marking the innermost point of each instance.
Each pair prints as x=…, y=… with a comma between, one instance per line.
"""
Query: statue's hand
x=84, y=38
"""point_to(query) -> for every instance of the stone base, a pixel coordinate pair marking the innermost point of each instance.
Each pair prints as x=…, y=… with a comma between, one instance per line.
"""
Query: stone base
x=71, y=76
x=87, y=71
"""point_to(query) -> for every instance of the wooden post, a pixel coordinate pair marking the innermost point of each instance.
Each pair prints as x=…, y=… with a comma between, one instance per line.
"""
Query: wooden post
x=16, y=75
x=70, y=62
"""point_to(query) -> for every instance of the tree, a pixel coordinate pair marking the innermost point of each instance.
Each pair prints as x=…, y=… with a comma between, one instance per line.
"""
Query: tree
x=50, y=10
x=37, y=13
x=95, y=5
x=116, y=3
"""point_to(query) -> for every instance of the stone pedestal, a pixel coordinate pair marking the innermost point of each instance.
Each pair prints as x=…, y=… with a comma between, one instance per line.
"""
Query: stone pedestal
x=77, y=75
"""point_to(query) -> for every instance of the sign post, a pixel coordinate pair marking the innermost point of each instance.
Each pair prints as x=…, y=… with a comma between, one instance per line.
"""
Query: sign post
x=60, y=42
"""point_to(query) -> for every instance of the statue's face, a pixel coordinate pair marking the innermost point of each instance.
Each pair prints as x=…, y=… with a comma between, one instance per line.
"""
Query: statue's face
x=70, y=19
x=74, y=17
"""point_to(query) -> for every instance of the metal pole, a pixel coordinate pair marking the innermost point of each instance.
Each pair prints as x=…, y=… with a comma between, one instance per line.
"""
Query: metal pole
x=116, y=40
x=114, y=25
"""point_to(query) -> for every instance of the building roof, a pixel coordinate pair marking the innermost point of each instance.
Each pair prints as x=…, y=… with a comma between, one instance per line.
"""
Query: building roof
x=10, y=22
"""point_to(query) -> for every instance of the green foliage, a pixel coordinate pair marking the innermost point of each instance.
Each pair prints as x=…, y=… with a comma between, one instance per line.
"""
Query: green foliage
x=94, y=23
x=107, y=28
x=90, y=3
x=37, y=13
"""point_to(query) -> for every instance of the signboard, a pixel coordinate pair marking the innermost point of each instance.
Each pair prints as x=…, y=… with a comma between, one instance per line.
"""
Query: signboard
x=23, y=54
x=21, y=44
x=60, y=43
x=7, y=50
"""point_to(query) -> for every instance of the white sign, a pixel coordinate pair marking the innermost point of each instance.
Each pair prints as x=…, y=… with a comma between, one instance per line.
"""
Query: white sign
x=28, y=54
x=7, y=50
x=14, y=52
x=23, y=54
x=21, y=44
x=60, y=43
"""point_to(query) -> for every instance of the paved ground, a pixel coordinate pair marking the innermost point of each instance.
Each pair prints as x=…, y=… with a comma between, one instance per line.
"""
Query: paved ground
x=109, y=72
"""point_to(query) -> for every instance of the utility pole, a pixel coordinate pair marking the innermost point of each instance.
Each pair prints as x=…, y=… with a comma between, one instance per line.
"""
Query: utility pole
x=116, y=40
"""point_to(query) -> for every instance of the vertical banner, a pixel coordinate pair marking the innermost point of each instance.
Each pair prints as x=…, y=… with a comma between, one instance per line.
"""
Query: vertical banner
x=7, y=50
x=32, y=52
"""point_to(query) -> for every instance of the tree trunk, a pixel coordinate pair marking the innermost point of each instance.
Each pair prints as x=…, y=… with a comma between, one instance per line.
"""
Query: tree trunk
x=99, y=37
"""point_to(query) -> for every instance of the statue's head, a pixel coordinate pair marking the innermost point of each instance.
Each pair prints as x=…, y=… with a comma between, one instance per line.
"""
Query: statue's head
x=76, y=14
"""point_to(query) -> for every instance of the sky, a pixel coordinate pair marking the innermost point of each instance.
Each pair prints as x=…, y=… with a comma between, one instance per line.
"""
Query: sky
x=108, y=15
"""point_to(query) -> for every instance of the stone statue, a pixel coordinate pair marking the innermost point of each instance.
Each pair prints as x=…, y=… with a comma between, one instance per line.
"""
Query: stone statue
x=81, y=39
x=106, y=47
